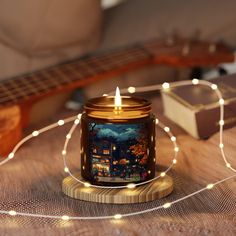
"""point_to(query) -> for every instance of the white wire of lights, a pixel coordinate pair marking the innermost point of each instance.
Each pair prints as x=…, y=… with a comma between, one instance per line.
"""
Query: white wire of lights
x=214, y=87
x=76, y=120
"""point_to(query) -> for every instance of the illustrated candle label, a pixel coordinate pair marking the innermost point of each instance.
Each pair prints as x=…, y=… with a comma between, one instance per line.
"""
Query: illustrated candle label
x=118, y=152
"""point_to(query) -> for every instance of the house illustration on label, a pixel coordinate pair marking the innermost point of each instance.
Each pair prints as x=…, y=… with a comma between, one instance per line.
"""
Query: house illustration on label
x=118, y=153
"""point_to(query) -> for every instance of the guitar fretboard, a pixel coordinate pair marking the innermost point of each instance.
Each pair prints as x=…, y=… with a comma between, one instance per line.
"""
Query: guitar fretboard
x=79, y=72
x=86, y=70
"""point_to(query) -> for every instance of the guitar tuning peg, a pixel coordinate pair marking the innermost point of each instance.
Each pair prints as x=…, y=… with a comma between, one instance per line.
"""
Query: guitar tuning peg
x=176, y=35
x=170, y=41
x=196, y=35
x=212, y=48
x=167, y=38
x=186, y=50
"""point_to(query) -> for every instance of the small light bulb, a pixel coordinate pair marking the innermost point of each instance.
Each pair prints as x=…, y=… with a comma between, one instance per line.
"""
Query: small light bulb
x=228, y=165
x=195, y=81
x=61, y=122
x=165, y=85
x=131, y=89
x=151, y=138
x=210, y=186
x=174, y=161
x=12, y=213
x=11, y=155
x=157, y=121
x=221, y=145
x=76, y=122
x=66, y=169
x=118, y=216
x=68, y=136
x=79, y=116
x=65, y=217
x=221, y=101
x=131, y=185
x=167, y=205
x=176, y=149
x=105, y=95
x=221, y=122
x=162, y=174
x=149, y=172
x=173, y=138
x=86, y=184
x=35, y=133
x=63, y=152
x=167, y=129
x=214, y=86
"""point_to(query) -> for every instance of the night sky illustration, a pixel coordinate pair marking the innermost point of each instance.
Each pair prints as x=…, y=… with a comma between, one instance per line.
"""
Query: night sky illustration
x=119, y=132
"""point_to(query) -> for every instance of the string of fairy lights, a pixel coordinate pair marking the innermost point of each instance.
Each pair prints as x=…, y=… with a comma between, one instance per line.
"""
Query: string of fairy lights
x=76, y=122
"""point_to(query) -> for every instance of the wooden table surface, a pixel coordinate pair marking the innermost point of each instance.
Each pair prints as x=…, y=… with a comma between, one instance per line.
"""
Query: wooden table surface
x=32, y=183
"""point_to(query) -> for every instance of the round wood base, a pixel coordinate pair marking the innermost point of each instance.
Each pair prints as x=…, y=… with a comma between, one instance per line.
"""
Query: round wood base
x=144, y=193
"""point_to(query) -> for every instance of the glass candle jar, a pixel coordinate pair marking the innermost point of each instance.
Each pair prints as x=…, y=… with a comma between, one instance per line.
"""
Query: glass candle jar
x=117, y=143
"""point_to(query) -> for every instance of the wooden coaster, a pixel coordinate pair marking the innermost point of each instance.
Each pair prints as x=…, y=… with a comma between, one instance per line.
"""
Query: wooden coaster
x=144, y=193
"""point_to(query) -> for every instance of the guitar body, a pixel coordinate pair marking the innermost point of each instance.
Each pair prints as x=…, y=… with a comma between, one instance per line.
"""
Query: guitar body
x=10, y=129
x=17, y=95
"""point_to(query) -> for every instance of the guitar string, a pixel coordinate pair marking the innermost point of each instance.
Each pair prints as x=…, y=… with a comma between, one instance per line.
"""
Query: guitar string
x=44, y=76
x=119, y=216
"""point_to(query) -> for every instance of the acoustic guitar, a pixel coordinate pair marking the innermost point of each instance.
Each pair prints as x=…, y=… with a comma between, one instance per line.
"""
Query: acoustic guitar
x=17, y=95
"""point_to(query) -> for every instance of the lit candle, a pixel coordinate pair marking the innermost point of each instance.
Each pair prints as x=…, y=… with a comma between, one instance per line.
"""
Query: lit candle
x=118, y=101
x=117, y=140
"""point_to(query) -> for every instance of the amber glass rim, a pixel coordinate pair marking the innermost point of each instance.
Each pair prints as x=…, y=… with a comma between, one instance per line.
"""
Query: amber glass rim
x=103, y=107
x=107, y=102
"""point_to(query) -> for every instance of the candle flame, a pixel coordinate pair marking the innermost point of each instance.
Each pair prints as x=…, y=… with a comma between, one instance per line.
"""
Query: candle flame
x=118, y=102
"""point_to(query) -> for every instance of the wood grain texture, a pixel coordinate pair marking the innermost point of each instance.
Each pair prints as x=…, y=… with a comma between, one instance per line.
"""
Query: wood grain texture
x=152, y=191
x=10, y=128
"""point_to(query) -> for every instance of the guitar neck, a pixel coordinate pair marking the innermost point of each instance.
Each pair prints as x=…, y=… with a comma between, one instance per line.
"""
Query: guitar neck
x=71, y=75
x=86, y=70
